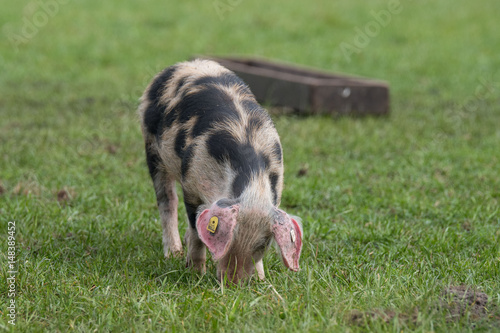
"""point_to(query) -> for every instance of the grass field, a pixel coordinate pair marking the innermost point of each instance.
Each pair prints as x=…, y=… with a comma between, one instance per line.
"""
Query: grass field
x=396, y=210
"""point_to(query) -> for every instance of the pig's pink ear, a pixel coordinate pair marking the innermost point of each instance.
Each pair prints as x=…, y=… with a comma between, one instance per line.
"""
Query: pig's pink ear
x=288, y=234
x=215, y=228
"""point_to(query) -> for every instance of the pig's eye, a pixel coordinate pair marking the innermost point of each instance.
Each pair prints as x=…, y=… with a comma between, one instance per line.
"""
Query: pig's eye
x=262, y=246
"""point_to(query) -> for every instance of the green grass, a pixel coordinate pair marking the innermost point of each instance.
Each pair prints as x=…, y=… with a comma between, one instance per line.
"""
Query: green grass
x=395, y=209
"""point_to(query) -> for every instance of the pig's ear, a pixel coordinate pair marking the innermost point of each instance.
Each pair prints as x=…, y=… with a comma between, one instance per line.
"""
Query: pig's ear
x=288, y=235
x=215, y=228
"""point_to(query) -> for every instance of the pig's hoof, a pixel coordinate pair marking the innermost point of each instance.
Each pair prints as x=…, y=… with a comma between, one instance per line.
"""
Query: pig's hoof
x=174, y=254
x=197, y=266
x=259, y=268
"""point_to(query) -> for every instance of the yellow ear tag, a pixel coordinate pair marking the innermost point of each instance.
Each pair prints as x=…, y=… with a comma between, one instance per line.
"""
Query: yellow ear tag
x=212, y=225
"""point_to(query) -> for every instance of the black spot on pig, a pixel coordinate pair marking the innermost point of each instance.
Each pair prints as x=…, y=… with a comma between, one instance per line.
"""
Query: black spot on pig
x=222, y=146
x=154, y=111
x=210, y=106
x=156, y=89
x=187, y=156
x=180, y=84
x=152, y=117
x=248, y=158
x=254, y=124
x=277, y=151
x=240, y=182
x=169, y=118
x=152, y=160
x=273, y=179
x=242, y=157
x=266, y=161
x=180, y=142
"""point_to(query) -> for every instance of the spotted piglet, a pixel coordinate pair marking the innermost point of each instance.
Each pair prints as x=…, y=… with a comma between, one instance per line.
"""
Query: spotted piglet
x=203, y=128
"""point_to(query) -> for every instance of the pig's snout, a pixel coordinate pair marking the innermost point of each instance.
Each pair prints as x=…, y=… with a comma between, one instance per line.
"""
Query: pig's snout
x=234, y=270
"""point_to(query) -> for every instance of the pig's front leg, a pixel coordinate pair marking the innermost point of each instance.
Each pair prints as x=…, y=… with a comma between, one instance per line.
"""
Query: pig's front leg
x=259, y=267
x=167, y=205
x=166, y=198
x=172, y=245
x=196, y=253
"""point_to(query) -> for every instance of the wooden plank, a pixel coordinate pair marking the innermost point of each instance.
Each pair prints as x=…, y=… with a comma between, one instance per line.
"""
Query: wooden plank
x=310, y=91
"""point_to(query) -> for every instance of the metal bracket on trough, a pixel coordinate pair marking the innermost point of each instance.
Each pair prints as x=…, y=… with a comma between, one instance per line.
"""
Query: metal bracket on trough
x=310, y=91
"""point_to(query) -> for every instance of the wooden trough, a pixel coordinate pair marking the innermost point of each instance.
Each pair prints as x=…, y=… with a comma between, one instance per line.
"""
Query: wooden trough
x=310, y=91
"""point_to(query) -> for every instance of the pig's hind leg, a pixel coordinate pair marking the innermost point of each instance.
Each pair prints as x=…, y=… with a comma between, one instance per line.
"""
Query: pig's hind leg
x=167, y=200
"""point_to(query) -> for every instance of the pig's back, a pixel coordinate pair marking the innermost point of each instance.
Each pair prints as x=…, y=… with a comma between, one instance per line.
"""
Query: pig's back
x=210, y=132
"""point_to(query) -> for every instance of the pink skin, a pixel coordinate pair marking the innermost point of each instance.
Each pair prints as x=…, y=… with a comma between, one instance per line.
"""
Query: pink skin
x=288, y=235
x=219, y=242
x=235, y=257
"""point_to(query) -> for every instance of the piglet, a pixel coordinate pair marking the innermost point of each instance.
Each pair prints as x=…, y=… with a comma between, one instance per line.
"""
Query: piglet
x=203, y=128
